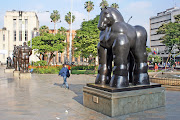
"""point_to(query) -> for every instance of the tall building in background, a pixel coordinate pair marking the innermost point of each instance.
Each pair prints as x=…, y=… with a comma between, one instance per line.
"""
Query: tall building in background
x=19, y=27
x=155, y=22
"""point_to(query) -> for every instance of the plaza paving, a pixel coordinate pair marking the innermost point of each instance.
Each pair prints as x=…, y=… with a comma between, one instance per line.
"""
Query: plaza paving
x=41, y=98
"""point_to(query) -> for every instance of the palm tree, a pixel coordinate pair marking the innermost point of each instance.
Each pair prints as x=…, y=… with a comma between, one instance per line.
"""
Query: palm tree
x=89, y=6
x=104, y=4
x=68, y=18
x=115, y=5
x=55, y=16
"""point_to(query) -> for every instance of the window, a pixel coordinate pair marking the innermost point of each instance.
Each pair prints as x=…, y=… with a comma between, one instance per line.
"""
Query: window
x=59, y=56
x=14, y=24
x=26, y=24
x=81, y=59
x=20, y=29
x=20, y=35
x=26, y=29
x=20, y=24
x=26, y=35
x=14, y=28
x=14, y=35
x=76, y=59
x=3, y=37
x=3, y=56
x=3, y=46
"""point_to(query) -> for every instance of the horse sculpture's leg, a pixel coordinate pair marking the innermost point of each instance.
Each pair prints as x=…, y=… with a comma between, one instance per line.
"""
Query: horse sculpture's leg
x=140, y=73
x=109, y=64
x=130, y=66
x=102, y=70
x=120, y=53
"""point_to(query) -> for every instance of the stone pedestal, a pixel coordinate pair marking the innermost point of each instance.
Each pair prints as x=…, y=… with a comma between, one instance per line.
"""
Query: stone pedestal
x=8, y=70
x=25, y=75
x=16, y=74
x=116, y=102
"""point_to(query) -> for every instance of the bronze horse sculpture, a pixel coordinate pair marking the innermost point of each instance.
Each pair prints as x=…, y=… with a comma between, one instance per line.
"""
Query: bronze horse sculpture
x=119, y=42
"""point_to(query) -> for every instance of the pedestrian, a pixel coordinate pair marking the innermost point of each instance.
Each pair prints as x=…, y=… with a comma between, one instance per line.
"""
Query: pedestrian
x=64, y=72
x=156, y=67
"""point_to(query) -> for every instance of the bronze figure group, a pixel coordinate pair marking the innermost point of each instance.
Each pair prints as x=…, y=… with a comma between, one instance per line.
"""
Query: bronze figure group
x=21, y=57
x=9, y=63
x=126, y=46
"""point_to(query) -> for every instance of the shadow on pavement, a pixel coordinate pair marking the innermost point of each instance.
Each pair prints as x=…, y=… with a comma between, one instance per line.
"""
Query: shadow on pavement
x=78, y=90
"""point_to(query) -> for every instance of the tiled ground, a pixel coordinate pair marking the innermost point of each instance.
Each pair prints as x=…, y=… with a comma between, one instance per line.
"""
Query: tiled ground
x=41, y=98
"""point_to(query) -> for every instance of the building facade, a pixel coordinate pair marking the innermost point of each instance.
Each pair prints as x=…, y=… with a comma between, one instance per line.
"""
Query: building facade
x=19, y=27
x=155, y=22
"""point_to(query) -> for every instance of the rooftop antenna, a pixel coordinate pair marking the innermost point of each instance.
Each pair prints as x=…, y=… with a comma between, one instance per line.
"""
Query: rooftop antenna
x=129, y=19
x=174, y=3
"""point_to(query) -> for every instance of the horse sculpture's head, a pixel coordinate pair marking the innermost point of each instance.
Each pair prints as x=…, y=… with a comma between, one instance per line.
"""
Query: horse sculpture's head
x=108, y=17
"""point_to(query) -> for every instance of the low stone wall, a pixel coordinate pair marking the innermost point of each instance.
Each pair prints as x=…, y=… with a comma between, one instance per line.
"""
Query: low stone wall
x=165, y=81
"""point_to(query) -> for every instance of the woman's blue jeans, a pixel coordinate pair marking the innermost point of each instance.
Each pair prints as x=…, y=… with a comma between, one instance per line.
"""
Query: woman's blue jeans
x=65, y=82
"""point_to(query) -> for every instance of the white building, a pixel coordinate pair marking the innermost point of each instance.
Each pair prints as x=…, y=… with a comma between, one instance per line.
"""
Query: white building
x=19, y=27
x=155, y=23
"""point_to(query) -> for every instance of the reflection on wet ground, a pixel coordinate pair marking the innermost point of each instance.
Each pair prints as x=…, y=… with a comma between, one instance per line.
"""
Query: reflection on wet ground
x=43, y=98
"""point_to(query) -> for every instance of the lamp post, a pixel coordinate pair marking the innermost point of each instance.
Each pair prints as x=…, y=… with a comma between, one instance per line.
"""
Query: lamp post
x=70, y=40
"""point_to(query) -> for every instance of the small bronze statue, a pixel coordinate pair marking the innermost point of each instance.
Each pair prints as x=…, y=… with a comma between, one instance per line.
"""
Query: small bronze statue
x=24, y=53
x=119, y=42
x=15, y=57
x=19, y=59
x=9, y=63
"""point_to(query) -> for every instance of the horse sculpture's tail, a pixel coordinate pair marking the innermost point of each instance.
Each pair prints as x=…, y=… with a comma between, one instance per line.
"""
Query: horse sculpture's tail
x=141, y=35
x=140, y=73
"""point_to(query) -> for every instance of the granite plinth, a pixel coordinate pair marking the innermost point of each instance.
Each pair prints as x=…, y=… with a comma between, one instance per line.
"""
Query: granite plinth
x=123, y=101
x=25, y=75
x=16, y=74
x=8, y=70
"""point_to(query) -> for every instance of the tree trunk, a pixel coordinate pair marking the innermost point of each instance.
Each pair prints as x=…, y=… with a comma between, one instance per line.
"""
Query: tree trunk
x=88, y=16
x=45, y=57
x=39, y=57
x=54, y=28
x=51, y=57
x=167, y=60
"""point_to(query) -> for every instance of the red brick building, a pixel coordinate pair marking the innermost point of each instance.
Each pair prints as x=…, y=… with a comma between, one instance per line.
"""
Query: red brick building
x=62, y=58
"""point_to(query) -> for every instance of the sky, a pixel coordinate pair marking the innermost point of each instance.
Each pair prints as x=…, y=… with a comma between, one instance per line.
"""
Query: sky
x=140, y=10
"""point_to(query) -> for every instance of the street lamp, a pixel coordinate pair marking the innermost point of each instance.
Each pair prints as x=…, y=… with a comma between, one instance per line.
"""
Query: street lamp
x=70, y=48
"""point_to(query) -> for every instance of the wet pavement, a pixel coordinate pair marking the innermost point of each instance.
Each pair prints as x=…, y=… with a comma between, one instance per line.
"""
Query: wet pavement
x=43, y=98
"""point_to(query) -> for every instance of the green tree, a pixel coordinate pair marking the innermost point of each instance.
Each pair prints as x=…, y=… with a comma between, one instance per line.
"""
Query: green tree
x=49, y=43
x=177, y=18
x=55, y=16
x=104, y=4
x=68, y=18
x=115, y=5
x=87, y=38
x=43, y=29
x=62, y=31
x=148, y=50
x=154, y=59
x=89, y=6
x=171, y=38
